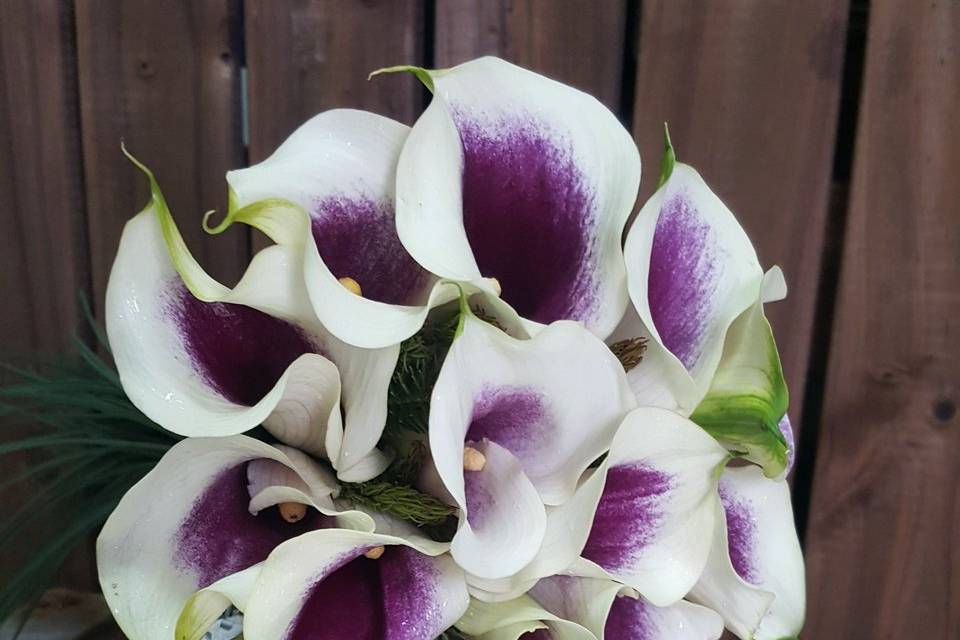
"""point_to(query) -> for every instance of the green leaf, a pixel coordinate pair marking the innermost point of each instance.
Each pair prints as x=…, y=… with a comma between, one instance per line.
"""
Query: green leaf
x=669, y=158
x=748, y=395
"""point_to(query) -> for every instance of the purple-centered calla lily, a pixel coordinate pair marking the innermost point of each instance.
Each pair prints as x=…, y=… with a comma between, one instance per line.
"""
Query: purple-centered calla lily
x=697, y=292
x=339, y=169
x=513, y=426
x=335, y=584
x=653, y=524
x=201, y=359
x=212, y=507
x=512, y=176
x=755, y=575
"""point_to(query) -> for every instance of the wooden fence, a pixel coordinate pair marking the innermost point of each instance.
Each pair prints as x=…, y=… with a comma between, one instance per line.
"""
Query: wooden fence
x=831, y=127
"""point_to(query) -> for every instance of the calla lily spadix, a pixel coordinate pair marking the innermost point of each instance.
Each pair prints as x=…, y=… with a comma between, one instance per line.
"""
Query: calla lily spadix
x=513, y=426
x=202, y=514
x=201, y=359
x=512, y=176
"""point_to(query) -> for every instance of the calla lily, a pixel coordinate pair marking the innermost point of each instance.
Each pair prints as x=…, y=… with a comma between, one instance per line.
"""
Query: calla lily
x=205, y=512
x=513, y=426
x=691, y=272
x=755, y=576
x=745, y=406
x=522, y=617
x=611, y=611
x=698, y=290
x=653, y=525
x=201, y=359
x=336, y=584
x=339, y=168
x=512, y=176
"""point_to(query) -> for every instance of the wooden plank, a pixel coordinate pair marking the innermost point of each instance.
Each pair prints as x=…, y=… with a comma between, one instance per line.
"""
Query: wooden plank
x=42, y=246
x=751, y=91
x=163, y=77
x=882, y=547
x=578, y=42
x=42, y=250
x=307, y=56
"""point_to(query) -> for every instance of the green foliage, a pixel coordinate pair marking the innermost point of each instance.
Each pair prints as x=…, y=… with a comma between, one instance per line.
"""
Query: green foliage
x=421, y=356
x=398, y=500
x=85, y=444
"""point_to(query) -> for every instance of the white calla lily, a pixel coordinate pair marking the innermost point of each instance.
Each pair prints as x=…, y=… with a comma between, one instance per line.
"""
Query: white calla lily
x=513, y=426
x=202, y=514
x=652, y=528
x=201, y=359
x=691, y=272
x=755, y=577
x=339, y=168
x=512, y=176
x=612, y=612
x=336, y=584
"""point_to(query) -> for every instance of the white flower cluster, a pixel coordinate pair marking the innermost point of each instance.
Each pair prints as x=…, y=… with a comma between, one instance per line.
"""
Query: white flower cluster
x=607, y=430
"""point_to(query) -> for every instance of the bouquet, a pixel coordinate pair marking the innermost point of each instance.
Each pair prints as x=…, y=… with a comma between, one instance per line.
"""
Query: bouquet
x=450, y=401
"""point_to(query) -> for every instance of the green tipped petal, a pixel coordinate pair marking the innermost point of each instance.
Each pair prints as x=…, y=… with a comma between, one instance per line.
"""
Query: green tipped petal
x=423, y=75
x=202, y=610
x=748, y=395
x=669, y=157
x=194, y=277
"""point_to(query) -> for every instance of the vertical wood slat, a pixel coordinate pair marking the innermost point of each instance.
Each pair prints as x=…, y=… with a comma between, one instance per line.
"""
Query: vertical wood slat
x=42, y=252
x=578, y=42
x=164, y=78
x=42, y=246
x=751, y=91
x=308, y=56
x=885, y=518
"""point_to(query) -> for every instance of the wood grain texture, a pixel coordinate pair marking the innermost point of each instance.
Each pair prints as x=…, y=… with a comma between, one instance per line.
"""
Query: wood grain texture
x=578, y=42
x=885, y=519
x=307, y=56
x=751, y=91
x=164, y=78
x=42, y=246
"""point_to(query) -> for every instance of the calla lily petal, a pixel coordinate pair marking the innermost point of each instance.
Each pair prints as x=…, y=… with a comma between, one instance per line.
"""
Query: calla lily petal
x=611, y=611
x=517, y=400
x=523, y=618
x=652, y=529
x=204, y=360
x=336, y=584
x=748, y=396
x=513, y=176
x=567, y=530
x=206, y=606
x=503, y=520
x=691, y=272
x=760, y=560
x=656, y=381
x=190, y=522
x=340, y=168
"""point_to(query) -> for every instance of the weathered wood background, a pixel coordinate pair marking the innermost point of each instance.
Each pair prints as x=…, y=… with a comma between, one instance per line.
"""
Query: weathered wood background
x=831, y=127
